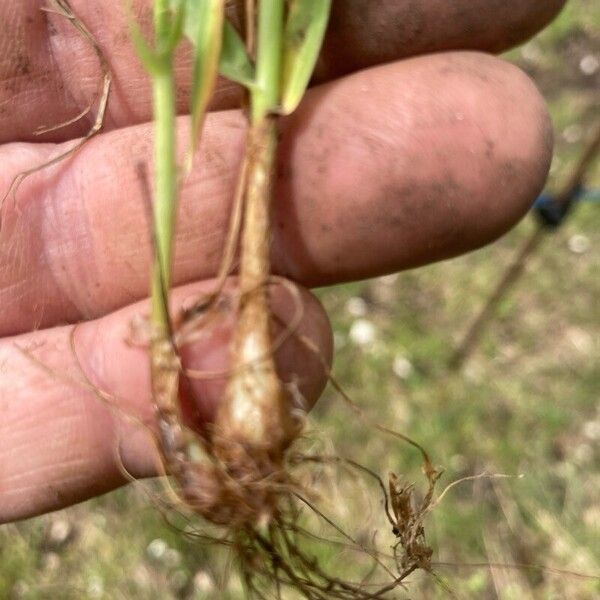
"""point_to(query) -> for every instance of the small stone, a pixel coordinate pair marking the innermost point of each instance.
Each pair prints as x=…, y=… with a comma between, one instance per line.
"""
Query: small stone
x=59, y=533
x=589, y=64
x=362, y=332
x=581, y=339
x=50, y=561
x=531, y=52
x=591, y=430
x=583, y=454
x=156, y=549
x=474, y=371
x=579, y=243
x=572, y=134
x=402, y=367
x=357, y=307
x=203, y=582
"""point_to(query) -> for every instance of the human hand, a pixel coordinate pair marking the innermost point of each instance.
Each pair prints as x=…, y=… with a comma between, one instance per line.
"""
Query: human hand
x=398, y=158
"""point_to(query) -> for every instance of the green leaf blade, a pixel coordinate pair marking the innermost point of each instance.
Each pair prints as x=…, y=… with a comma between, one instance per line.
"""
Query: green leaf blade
x=204, y=27
x=235, y=64
x=304, y=33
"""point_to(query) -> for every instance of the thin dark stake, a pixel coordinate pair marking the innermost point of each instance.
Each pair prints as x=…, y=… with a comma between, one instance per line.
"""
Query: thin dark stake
x=564, y=202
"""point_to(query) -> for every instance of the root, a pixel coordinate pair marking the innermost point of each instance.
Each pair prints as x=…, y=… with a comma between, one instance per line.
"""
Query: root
x=62, y=8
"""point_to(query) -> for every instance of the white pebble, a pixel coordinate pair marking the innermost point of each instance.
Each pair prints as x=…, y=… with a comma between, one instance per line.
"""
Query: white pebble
x=362, y=332
x=591, y=430
x=59, y=532
x=583, y=454
x=579, y=244
x=203, y=582
x=50, y=561
x=531, y=52
x=589, y=64
x=156, y=549
x=356, y=307
x=402, y=367
x=572, y=133
x=581, y=339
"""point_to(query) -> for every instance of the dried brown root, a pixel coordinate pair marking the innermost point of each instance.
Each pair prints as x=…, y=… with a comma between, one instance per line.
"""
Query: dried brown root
x=62, y=8
x=272, y=558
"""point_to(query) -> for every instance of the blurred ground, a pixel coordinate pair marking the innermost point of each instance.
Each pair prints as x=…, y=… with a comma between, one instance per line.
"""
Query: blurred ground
x=527, y=404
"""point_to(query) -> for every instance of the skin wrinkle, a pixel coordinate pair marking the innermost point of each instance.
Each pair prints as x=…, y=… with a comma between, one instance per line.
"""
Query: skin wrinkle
x=79, y=237
x=53, y=225
x=75, y=468
x=69, y=252
x=72, y=468
x=17, y=253
x=48, y=497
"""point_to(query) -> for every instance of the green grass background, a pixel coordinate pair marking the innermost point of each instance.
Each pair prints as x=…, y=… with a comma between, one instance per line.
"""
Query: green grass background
x=527, y=404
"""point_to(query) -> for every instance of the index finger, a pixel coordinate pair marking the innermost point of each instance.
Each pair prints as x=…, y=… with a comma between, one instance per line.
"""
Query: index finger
x=48, y=73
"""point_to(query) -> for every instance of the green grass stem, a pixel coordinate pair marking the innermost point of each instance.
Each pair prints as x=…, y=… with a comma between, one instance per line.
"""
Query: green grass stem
x=269, y=47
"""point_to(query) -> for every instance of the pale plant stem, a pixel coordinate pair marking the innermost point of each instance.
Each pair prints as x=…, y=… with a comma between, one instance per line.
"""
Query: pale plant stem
x=269, y=47
x=161, y=18
x=255, y=409
x=165, y=196
x=164, y=363
x=255, y=264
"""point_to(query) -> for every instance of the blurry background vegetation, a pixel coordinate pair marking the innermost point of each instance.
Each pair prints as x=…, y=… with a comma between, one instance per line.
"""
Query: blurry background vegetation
x=527, y=404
